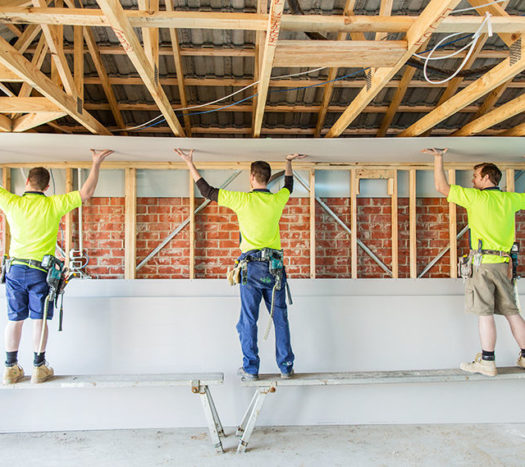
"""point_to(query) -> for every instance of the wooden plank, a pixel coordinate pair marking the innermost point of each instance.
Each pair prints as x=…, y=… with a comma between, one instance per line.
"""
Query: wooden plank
x=253, y=21
x=192, y=225
x=120, y=381
x=518, y=130
x=260, y=38
x=37, y=61
x=32, y=120
x=312, y=224
x=27, y=37
x=490, y=80
x=511, y=180
x=17, y=63
x=27, y=104
x=498, y=115
x=344, y=54
x=6, y=123
x=418, y=33
x=328, y=89
x=270, y=44
x=68, y=230
x=453, y=230
x=412, y=221
x=150, y=36
x=179, y=69
x=127, y=37
x=130, y=237
x=6, y=183
x=354, y=188
x=495, y=10
x=383, y=377
x=384, y=10
x=490, y=100
x=78, y=60
x=395, y=226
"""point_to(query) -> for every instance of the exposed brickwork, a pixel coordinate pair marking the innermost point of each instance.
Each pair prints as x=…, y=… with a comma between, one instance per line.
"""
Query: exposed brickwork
x=217, y=237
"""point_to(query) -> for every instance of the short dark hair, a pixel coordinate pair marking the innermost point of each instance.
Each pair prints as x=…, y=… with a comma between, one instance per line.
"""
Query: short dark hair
x=490, y=169
x=261, y=171
x=38, y=178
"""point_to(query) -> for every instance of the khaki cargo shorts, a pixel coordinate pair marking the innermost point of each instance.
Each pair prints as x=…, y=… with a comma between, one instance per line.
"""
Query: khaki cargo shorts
x=489, y=291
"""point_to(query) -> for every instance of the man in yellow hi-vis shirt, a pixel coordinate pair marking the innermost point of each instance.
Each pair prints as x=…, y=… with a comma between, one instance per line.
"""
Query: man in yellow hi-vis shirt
x=34, y=220
x=489, y=289
x=263, y=277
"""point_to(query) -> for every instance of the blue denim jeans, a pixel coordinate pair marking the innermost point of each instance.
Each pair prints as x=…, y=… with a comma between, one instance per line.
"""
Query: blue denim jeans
x=259, y=285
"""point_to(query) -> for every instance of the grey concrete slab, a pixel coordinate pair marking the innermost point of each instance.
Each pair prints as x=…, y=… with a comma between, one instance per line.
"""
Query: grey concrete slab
x=364, y=445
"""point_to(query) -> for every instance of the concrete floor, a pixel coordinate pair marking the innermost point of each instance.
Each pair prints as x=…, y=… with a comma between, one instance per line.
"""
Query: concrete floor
x=363, y=445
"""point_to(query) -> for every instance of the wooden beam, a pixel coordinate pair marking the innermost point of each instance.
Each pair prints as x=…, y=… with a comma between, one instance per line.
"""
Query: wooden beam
x=130, y=237
x=68, y=234
x=17, y=63
x=496, y=10
x=252, y=21
x=518, y=130
x=412, y=222
x=328, y=89
x=354, y=188
x=270, y=44
x=401, y=90
x=395, y=226
x=453, y=230
x=6, y=124
x=492, y=79
x=418, y=33
x=260, y=38
x=192, y=225
x=312, y=224
x=6, y=183
x=54, y=39
x=26, y=104
x=127, y=37
x=37, y=61
x=78, y=60
x=498, y=115
x=179, y=69
x=490, y=100
x=150, y=36
x=511, y=180
x=384, y=10
x=32, y=120
x=344, y=54
x=27, y=37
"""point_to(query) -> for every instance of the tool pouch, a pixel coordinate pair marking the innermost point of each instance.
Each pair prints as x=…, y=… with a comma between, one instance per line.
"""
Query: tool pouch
x=465, y=267
x=234, y=274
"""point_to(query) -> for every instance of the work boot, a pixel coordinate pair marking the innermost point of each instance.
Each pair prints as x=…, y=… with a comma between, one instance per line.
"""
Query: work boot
x=485, y=367
x=247, y=376
x=13, y=374
x=288, y=375
x=42, y=373
x=521, y=361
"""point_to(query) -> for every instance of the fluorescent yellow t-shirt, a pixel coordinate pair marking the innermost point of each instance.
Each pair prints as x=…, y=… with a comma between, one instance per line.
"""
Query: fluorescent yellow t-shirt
x=34, y=221
x=491, y=217
x=258, y=213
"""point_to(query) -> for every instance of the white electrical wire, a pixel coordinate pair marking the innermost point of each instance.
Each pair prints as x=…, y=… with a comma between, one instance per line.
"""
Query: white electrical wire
x=477, y=7
x=471, y=44
x=218, y=100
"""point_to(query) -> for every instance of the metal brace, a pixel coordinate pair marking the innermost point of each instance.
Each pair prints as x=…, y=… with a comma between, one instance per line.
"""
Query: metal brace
x=195, y=386
x=368, y=75
x=515, y=52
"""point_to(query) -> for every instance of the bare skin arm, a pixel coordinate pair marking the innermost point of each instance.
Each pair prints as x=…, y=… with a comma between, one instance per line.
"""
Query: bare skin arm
x=440, y=181
x=88, y=188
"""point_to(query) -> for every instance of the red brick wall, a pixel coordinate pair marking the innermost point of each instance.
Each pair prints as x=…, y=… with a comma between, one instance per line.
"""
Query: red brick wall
x=217, y=237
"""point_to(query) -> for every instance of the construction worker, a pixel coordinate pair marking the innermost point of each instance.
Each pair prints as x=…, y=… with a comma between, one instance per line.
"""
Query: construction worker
x=263, y=276
x=490, y=282
x=34, y=220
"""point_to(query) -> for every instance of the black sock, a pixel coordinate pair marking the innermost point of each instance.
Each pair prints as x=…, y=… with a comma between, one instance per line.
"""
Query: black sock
x=523, y=353
x=40, y=359
x=11, y=358
x=486, y=355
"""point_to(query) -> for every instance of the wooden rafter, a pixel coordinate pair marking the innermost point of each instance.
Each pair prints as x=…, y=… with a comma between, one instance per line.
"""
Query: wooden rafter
x=491, y=80
x=518, y=130
x=260, y=38
x=17, y=63
x=384, y=10
x=496, y=10
x=500, y=114
x=418, y=33
x=150, y=36
x=176, y=51
x=78, y=67
x=490, y=100
x=252, y=21
x=328, y=89
x=27, y=104
x=6, y=123
x=270, y=44
x=32, y=120
x=127, y=37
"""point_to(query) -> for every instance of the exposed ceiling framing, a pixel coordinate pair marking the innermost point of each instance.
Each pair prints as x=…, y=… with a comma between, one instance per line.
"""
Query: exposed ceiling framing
x=128, y=67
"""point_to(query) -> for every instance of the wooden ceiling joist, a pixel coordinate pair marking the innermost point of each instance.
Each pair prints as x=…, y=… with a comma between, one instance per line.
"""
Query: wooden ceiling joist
x=127, y=37
x=491, y=80
x=252, y=21
x=346, y=54
x=26, y=122
x=27, y=104
x=498, y=115
x=6, y=123
x=17, y=63
x=418, y=33
x=270, y=44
